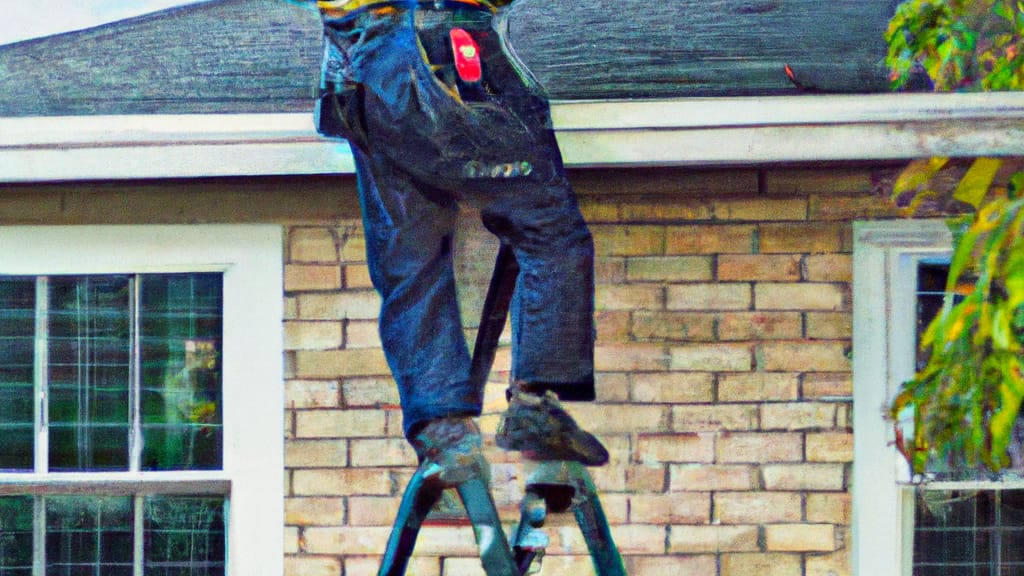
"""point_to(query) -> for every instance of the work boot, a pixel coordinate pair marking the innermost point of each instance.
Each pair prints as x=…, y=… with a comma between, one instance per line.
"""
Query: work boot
x=541, y=429
x=449, y=449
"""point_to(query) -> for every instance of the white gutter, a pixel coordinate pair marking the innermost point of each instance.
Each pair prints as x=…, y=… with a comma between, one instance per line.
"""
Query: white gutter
x=676, y=132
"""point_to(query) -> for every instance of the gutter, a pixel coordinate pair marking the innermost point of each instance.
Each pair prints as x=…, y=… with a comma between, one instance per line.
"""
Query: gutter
x=606, y=133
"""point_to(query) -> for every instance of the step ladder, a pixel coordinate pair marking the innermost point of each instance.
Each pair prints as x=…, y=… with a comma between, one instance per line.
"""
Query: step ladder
x=551, y=487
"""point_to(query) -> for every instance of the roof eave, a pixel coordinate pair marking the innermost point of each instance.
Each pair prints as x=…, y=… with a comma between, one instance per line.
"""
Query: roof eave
x=606, y=133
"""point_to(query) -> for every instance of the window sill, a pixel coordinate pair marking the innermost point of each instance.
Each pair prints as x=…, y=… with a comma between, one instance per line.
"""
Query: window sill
x=627, y=133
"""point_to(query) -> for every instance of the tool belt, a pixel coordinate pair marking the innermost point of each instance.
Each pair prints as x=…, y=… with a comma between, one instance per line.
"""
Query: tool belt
x=340, y=9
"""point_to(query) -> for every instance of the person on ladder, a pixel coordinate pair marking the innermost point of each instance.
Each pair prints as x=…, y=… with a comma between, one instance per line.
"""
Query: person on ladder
x=437, y=112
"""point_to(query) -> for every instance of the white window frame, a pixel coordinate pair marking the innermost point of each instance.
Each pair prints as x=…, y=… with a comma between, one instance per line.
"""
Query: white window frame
x=250, y=258
x=886, y=258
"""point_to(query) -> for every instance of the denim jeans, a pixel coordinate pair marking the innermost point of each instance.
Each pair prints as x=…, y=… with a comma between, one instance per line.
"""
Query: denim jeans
x=420, y=150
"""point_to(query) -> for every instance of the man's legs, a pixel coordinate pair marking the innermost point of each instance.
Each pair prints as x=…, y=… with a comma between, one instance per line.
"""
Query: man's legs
x=409, y=250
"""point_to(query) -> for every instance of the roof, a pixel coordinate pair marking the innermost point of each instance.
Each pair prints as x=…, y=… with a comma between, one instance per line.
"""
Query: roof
x=262, y=56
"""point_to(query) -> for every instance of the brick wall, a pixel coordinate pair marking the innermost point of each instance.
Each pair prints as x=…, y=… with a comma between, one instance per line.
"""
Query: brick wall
x=724, y=386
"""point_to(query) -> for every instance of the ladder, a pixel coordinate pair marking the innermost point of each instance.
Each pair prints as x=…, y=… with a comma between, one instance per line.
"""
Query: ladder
x=552, y=487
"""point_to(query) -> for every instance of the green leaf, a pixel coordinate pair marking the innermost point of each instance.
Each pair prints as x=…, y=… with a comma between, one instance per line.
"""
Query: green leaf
x=975, y=184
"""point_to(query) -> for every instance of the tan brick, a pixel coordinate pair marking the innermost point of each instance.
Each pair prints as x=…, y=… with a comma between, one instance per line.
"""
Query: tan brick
x=352, y=304
x=372, y=510
x=636, y=240
x=800, y=238
x=759, y=447
x=800, y=537
x=761, y=209
x=847, y=208
x=311, y=394
x=760, y=325
x=803, y=476
x=760, y=267
x=669, y=269
x=673, y=326
x=710, y=239
x=829, y=325
x=610, y=388
x=315, y=453
x=353, y=248
x=714, y=418
x=670, y=565
x=311, y=566
x=651, y=210
x=610, y=270
x=827, y=386
x=382, y=452
x=704, y=539
x=761, y=565
x=829, y=268
x=798, y=416
x=805, y=356
x=599, y=211
x=757, y=507
x=834, y=508
x=369, y=565
x=758, y=386
x=369, y=392
x=711, y=358
x=829, y=181
x=718, y=296
x=342, y=482
x=671, y=387
x=628, y=297
x=291, y=308
x=638, y=539
x=680, y=508
x=362, y=334
x=631, y=358
x=613, y=325
x=312, y=245
x=340, y=363
x=302, y=335
x=798, y=296
x=703, y=478
x=835, y=564
x=314, y=511
x=308, y=277
x=675, y=448
x=291, y=540
x=346, y=540
x=438, y=540
x=830, y=447
x=357, y=276
x=617, y=418
x=647, y=477
x=339, y=423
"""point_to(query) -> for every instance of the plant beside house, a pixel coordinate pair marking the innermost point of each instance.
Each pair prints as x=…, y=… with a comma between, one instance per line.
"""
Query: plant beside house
x=964, y=403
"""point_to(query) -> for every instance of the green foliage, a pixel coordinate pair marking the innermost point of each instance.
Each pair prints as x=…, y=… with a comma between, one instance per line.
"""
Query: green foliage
x=961, y=44
x=966, y=401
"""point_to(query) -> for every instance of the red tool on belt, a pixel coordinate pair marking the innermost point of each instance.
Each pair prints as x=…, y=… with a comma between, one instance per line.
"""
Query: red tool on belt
x=467, y=56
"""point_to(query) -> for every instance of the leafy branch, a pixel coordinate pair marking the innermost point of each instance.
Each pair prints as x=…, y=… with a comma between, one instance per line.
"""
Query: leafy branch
x=966, y=400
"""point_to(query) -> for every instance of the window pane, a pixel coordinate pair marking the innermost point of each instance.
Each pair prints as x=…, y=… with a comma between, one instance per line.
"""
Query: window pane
x=89, y=372
x=969, y=533
x=16, y=517
x=181, y=371
x=86, y=536
x=184, y=536
x=17, y=337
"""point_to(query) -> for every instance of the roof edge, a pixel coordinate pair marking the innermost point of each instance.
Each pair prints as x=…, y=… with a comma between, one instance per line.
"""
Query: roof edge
x=626, y=133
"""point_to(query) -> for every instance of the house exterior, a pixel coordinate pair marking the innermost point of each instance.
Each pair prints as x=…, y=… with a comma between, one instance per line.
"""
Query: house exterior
x=755, y=308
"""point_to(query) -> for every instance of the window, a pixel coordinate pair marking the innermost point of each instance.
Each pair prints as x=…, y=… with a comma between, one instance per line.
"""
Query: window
x=140, y=401
x=959, y=523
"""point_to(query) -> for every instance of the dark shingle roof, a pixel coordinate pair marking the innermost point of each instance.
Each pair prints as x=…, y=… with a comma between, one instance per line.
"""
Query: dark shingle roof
x=231, y=56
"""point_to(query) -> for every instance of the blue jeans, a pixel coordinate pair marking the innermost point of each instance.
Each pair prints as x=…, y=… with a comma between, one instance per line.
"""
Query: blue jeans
x=420, y=151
